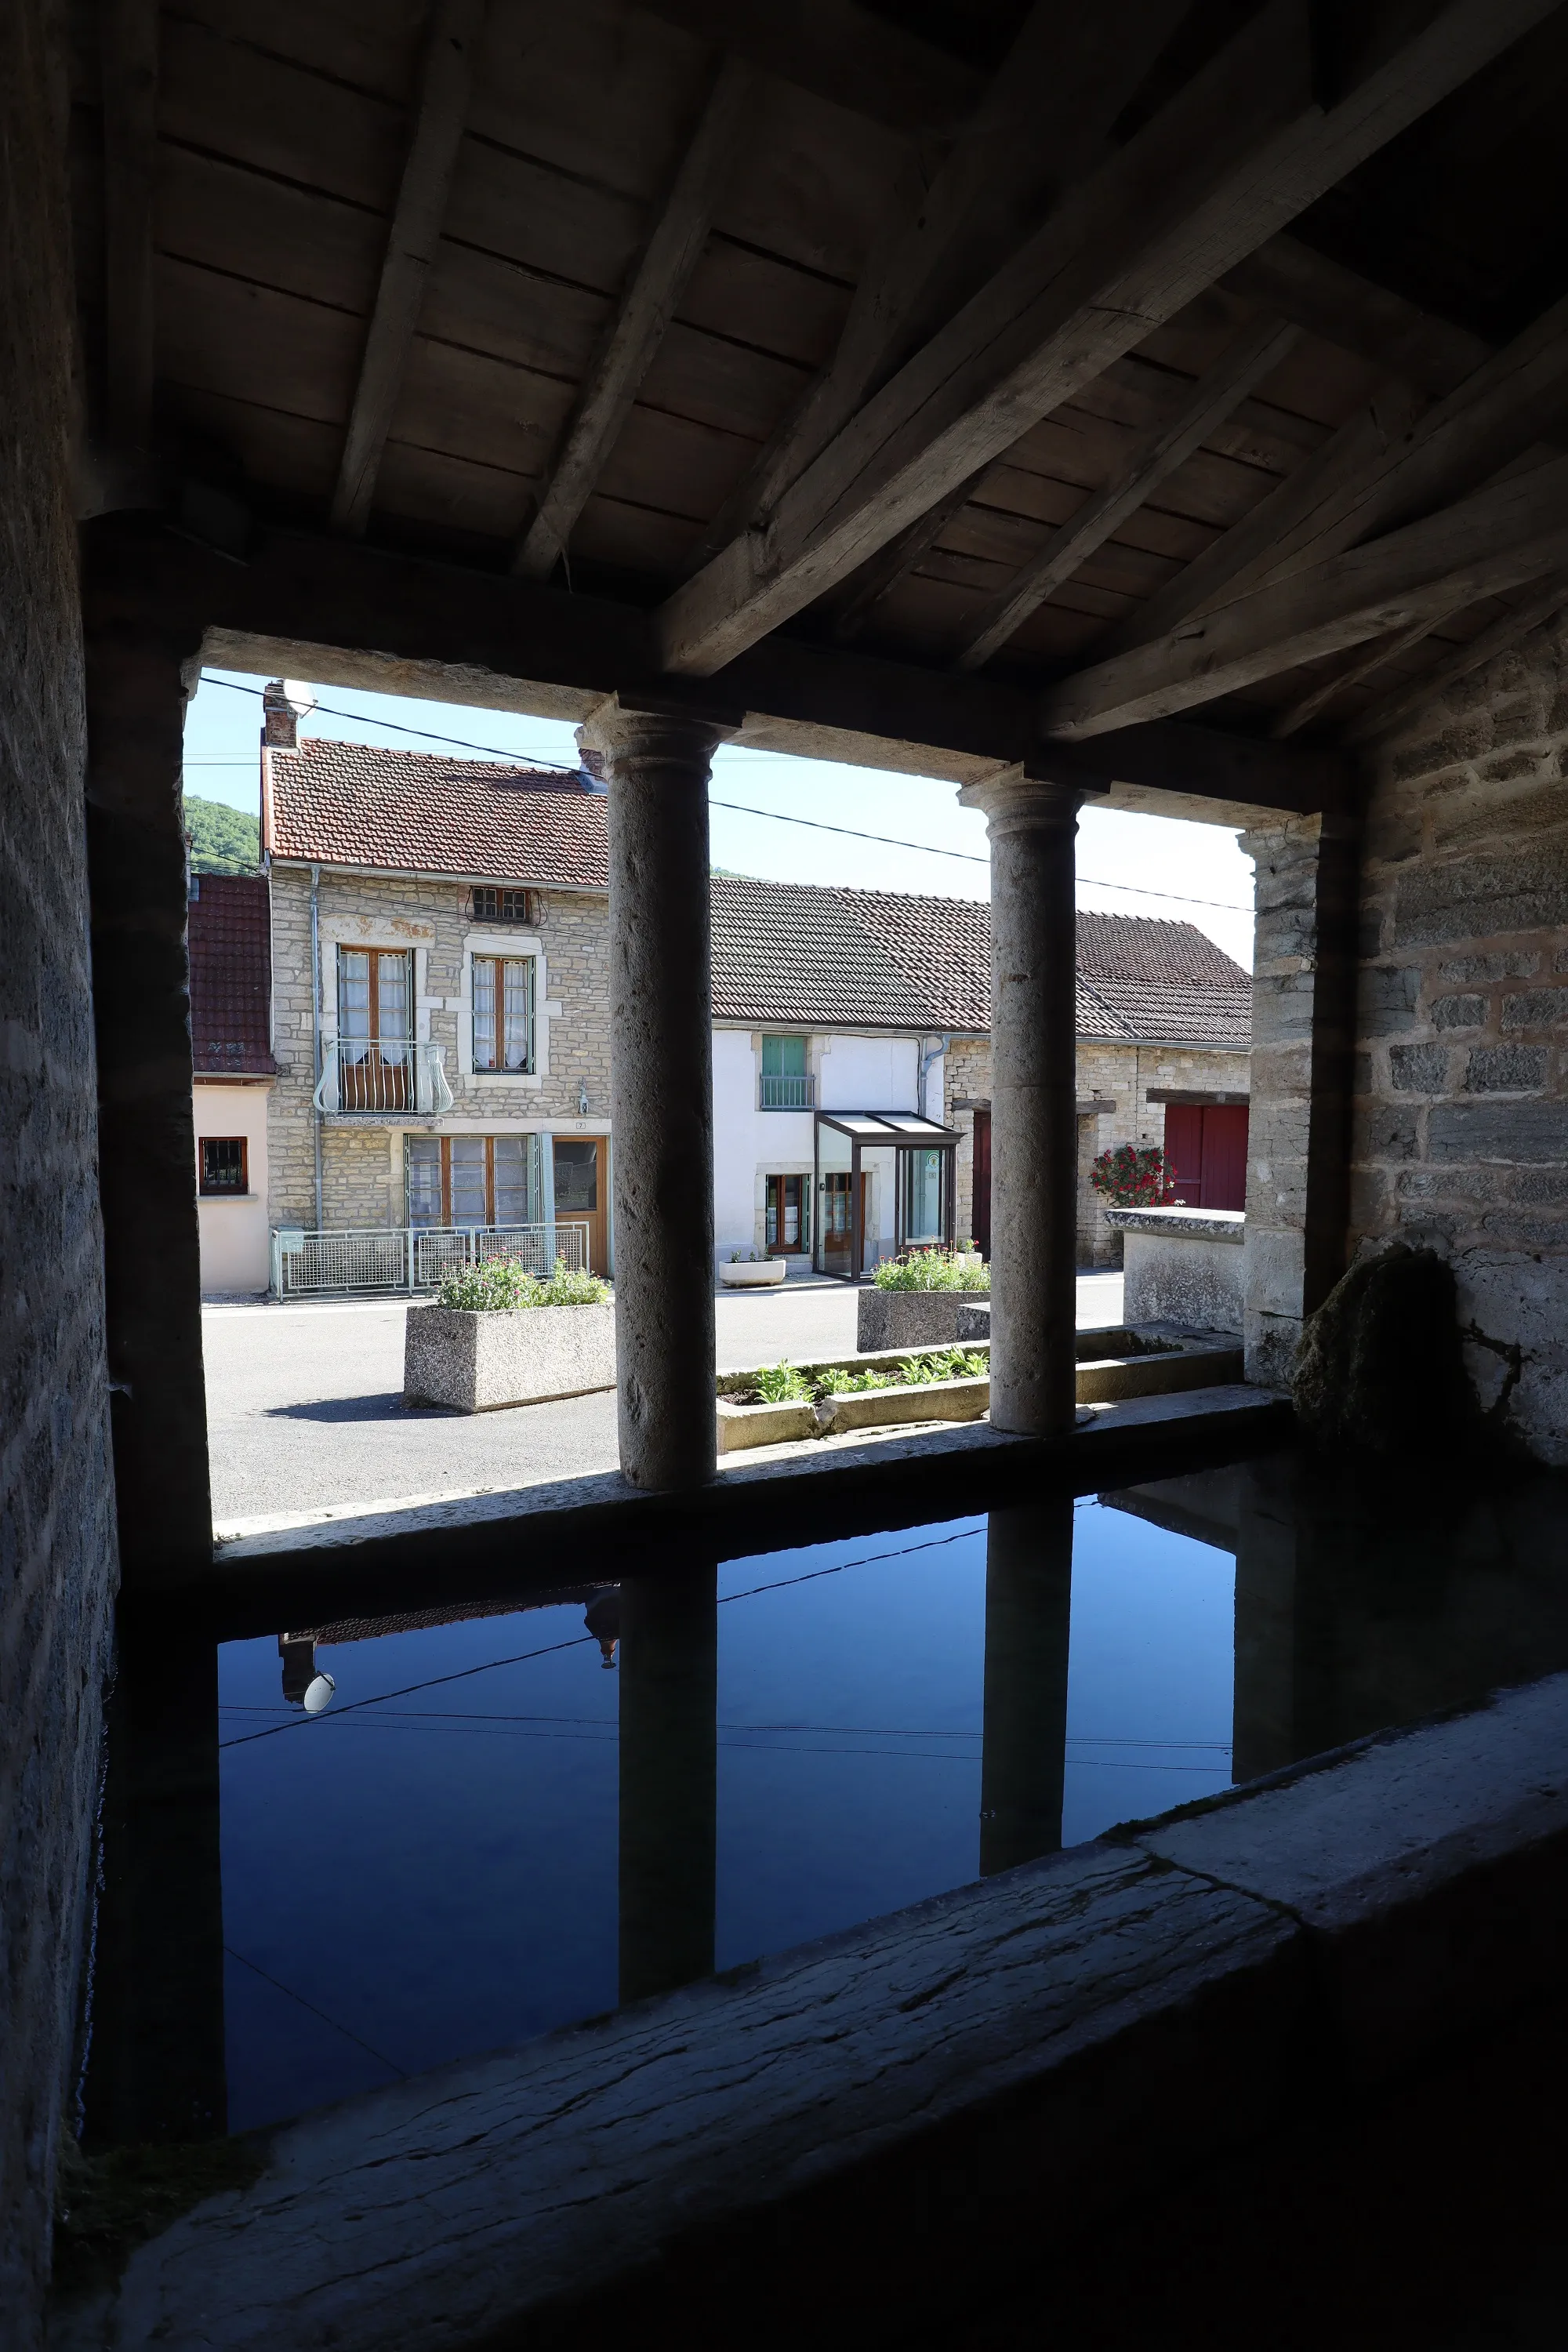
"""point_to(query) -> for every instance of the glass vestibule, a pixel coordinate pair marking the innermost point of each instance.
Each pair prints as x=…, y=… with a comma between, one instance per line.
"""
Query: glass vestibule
x=884, y=1183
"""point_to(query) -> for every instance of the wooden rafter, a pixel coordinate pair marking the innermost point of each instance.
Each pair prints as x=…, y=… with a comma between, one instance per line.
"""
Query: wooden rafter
x=1215, y=395
x=640, y=322
x=1246, y=142
x=1312, y=705
x=432, y=158
x=1343, y=307
x=1382, y=718
x=1484, y=545
x=840, y=51
x=851, y=605
x=130, y=61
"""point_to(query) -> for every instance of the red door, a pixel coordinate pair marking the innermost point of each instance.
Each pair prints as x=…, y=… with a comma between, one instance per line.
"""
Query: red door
x=1205, y=1144
x=982, y=1206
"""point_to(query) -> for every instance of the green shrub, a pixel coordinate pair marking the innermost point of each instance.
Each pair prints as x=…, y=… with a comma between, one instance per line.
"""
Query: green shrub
x=930, y=1269
x=498, y=1283
x=945, y=1364
x=781, y=1384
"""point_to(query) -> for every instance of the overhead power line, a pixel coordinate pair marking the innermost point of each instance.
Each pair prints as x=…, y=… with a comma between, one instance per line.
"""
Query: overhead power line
x=739, y=808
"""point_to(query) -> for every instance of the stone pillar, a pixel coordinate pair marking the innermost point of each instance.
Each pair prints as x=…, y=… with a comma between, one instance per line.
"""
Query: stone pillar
x=136, y=687
x=661, y=1089
x=156, y=2064
x=1034, y=1101
x=1303, y=1025
x=668, y=1762
x=1028, y=1614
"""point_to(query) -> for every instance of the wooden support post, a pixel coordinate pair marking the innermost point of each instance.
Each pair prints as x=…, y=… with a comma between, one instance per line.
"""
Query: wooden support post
x=147, y=1176
x=661, y=1089
x=1034, y=1101
x=669, y=1763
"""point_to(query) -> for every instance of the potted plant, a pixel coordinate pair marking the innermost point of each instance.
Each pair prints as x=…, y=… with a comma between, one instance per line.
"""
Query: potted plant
x=752, y=1270
x=914, y=1299
x=498, y=1334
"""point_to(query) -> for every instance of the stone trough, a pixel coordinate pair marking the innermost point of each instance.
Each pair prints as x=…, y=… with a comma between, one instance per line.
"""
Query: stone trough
x=1155, y=1360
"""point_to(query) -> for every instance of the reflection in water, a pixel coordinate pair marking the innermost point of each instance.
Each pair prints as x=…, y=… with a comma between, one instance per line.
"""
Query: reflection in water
x=482, y=1837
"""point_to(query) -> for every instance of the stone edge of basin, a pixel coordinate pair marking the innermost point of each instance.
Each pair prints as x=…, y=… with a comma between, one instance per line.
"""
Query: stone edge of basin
x=847, y=2134
x=1199, y=1224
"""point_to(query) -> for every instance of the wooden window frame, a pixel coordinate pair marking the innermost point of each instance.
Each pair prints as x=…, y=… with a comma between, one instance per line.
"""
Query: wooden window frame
x=207, y=1191
x=501, y=902
x=500, y=1069
x=445, y=1142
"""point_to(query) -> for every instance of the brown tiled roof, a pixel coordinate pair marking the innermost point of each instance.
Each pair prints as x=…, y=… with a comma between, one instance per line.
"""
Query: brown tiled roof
x=413, y=811
x=231, y=975
x=791, y=952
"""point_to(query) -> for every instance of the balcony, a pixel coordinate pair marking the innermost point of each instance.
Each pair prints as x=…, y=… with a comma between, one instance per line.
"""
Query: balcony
x=383, y=1078
x=786, y=1093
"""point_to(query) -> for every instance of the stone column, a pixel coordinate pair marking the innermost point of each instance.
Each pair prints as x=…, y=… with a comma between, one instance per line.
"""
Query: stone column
x=137, y=679
x=669, y=1760
x=1303, y=1025
x=1028, y=1615
x=661, y=1089
x=1034, y=1101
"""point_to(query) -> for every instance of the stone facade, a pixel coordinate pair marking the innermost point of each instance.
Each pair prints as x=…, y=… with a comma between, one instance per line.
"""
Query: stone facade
x=363, y=1161
x=1460, y=1115
x=1121, y=1075
x=57, y=1556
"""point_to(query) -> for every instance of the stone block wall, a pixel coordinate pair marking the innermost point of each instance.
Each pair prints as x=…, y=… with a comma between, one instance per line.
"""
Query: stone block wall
x=362, y=1179
x=57, y=1549
x=1460, y=1118
x=1121, y=1075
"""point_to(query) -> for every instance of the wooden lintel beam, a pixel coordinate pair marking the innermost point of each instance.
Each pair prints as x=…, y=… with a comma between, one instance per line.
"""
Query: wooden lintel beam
x=1382, y=718
x=1498, y=539
x=447, y=79
x=1215, y=396
x=341, y=613
x=130, y=64
x=1210, y=763
x=639, y=323
x=1246, y=143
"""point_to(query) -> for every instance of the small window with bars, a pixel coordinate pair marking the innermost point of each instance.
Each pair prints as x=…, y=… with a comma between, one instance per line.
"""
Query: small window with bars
x=491, y=904
x=504, y=1014
x=224, y=1165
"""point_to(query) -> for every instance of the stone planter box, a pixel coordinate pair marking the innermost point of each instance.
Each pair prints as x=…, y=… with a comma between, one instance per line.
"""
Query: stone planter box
x=762, y=1274
x=1182, y=1266
x=516, y=1355
x=912, y=1318
x=744, y=1425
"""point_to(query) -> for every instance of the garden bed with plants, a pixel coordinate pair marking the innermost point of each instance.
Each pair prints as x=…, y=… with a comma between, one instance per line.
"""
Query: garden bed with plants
x=914, y=1299
x=786, y=1401
x=498, y=1334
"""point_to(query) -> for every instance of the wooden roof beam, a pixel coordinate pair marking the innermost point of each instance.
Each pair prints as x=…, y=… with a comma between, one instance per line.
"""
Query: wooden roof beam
x=1341, y=306
x=443, y=105
x=1407, y=700
x=1215, y=395
x=130, y=63
x=1498, y=539
x=1246, y=143
x=639, y=324
x=841, y=52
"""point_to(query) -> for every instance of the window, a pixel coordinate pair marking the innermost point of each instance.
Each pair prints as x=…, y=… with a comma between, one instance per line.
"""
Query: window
x=503, y=1014
x=224, y=1165
x=375, y=999
x=786, y=1212
x=490, y=904
x=474, y=1180
x=785, y=1086
x=924, y=1204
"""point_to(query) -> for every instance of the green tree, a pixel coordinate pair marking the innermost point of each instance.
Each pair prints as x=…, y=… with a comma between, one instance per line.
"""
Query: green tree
x=224, y=840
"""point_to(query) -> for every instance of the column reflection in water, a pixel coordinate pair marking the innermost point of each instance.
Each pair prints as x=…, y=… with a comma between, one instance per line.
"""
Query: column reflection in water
x=1028, y=1614
x=155, y=2068
x=669, y=1627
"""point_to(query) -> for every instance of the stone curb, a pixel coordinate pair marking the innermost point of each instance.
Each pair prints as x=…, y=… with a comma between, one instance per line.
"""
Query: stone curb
x=846, y=2133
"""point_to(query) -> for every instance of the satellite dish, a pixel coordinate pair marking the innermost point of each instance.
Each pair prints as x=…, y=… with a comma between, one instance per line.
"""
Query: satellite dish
x=301, y=697
x=319, y=1694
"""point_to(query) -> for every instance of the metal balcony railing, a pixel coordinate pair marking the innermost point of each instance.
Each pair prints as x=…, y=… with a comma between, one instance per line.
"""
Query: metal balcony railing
x=788, y=1094
x=413, y=1258
x=381, y=1076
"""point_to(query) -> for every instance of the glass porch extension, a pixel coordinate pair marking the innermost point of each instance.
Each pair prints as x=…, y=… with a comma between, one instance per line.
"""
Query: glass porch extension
x=884, y=1183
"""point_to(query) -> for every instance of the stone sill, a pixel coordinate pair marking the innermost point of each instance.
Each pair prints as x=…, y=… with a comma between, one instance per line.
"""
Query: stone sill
x=1182, y=1224
x=914, y=2110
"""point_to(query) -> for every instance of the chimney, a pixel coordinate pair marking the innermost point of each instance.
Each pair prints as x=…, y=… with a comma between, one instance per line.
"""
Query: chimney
x=590, y=768
x=279, y=720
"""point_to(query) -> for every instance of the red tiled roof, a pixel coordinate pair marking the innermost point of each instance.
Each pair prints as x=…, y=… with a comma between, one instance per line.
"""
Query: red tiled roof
x=413, y=811
x=231, y=975
x=791, y=952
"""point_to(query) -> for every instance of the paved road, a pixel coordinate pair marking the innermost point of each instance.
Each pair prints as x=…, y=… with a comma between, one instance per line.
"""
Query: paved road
x=305, y=1406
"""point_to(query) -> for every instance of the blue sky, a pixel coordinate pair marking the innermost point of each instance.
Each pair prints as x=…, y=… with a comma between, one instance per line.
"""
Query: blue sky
x=1192, y=862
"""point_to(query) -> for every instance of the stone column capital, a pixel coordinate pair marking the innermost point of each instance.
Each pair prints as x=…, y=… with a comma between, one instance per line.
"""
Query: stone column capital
x=653, y=727
x=1014, y=802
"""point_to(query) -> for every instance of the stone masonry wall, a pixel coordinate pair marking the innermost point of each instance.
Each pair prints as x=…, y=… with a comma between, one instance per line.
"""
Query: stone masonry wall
x=362, y=1179
x=56, y=1541
x=1460, y=1128
x=1121, y=1075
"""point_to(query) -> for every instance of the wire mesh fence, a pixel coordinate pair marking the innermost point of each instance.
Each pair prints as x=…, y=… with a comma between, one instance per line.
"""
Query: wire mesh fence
x=412, y=1258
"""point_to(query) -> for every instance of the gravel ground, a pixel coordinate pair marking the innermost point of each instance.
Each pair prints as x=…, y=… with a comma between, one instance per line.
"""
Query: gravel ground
x=305, y=1406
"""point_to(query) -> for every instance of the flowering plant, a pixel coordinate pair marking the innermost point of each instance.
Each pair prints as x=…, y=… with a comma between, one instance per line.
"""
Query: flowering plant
x=1134, y=1176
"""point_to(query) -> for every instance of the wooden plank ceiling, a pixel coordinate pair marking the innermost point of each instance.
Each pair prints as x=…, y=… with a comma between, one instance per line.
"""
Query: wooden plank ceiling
x=1175, y=356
